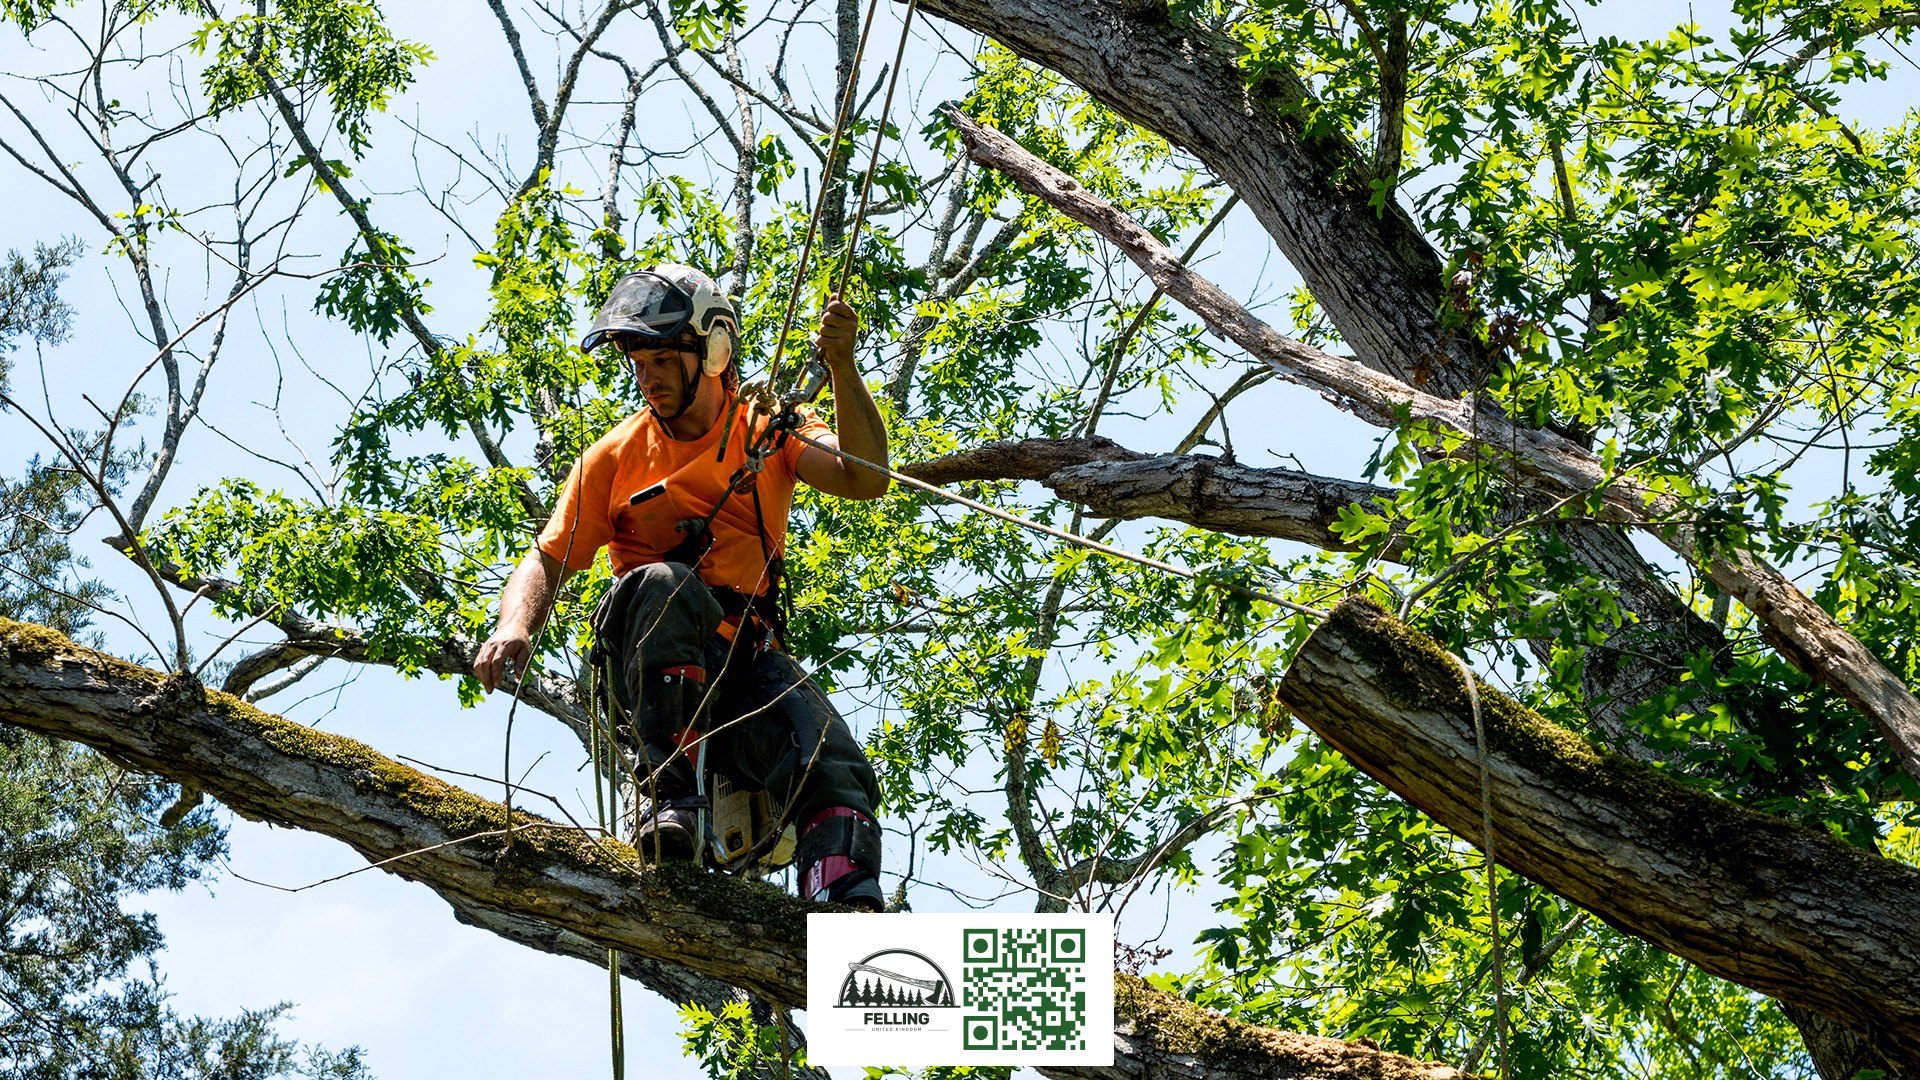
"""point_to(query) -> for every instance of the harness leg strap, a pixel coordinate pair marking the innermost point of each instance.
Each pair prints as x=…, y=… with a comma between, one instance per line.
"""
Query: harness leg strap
x=839, y=857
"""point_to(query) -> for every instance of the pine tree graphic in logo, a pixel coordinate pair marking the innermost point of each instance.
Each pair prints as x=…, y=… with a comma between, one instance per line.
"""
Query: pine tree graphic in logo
x=895, y=979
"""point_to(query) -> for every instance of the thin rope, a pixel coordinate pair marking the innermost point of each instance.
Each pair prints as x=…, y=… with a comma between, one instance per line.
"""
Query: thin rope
x=820, y=203
x=606, y=801
x=1493, y=887
x=1074, y=539
x=873, y=159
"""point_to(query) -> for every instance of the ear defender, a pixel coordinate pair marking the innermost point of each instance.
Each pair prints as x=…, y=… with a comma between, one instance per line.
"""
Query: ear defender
x=719, y=351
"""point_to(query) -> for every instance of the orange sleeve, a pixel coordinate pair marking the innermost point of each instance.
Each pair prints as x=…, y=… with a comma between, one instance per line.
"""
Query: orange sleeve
x=580, y=525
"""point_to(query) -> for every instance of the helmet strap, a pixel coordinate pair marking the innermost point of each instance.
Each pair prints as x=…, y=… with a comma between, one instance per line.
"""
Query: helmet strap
x=689, y=388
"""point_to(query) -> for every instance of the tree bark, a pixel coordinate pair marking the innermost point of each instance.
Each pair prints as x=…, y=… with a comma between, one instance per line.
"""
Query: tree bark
x=669, y=980
x=1112, y=481
x=1167, y=1038
x=546, y=885
x=1782, y=909
x=415, y=826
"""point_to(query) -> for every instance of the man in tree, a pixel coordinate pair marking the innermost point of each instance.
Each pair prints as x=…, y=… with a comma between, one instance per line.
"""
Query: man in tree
x=690, y=498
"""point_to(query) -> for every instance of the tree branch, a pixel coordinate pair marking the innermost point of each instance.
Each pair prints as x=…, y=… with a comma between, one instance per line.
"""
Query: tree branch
x=1800, y=630
x=1795, y=914
x=1370, y=269
x=409, y=312
x=1111, y=481
x=542, y=884
x=1374, y=274
x=512, y=33
x=306, y=637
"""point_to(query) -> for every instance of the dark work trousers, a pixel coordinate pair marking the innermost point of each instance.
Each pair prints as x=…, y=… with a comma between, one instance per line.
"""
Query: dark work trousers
x=769, y=728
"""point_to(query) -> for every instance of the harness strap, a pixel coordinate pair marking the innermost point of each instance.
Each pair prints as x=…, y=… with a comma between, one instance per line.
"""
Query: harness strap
x=762, y=614
x=844, y=832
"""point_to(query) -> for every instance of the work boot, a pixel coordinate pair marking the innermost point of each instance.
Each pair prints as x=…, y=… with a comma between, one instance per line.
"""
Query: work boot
x=839, y=856
x=670, y=832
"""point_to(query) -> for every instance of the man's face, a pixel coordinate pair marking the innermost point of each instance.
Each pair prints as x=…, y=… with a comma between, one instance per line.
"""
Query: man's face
x=666, y=371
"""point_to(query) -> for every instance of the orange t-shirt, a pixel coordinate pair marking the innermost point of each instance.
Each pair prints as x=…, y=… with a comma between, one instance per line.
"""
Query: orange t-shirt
x=595, y=508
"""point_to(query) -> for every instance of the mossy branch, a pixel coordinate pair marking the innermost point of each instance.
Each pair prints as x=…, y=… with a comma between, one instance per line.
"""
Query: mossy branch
x=537, y=882
x=1791, y=912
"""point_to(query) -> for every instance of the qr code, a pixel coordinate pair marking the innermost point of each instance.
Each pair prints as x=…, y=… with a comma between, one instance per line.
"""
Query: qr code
x=1024, y=989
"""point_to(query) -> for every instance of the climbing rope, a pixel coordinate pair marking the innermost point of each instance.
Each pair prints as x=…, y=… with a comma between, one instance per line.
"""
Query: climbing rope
x=811, y=389
x=771, y=390
x=785, y=421
x=606, y=800
x=873, y=158
x=1486, y=848
x=767, y=398
x=820, y=202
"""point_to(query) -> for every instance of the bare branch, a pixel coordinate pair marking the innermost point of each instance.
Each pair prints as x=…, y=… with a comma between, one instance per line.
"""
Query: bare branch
x=1125, y=340
x=512, y=33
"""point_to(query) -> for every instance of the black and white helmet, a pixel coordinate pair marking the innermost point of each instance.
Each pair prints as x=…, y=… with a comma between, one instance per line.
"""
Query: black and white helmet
x=661, y=301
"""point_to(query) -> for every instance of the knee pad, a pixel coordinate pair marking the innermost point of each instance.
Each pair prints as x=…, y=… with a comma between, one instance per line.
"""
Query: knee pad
x=839, y=857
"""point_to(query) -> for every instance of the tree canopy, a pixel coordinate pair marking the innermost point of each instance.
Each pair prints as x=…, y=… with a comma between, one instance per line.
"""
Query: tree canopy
x=1599, y=333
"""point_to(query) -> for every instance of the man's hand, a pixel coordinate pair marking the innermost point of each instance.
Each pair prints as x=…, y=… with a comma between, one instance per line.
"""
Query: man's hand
x=862, y=433
x=524, y=605
x=505, y=647
x=838, y=327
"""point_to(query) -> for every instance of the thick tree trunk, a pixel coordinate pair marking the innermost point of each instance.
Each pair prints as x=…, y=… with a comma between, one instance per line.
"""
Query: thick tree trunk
x=1792, y=913
x=1839, y=1054
x=547, y=885
x=1372, y=272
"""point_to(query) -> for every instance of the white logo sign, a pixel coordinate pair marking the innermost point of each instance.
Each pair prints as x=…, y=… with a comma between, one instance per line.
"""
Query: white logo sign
x=919, y=990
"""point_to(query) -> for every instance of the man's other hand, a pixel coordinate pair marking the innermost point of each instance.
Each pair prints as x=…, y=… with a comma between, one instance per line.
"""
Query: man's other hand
x=502, y=649
x=838, y=327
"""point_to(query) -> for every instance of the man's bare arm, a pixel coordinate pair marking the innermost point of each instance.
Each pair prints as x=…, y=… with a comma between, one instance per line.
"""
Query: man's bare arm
x=525, y=604
x=861, y=431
